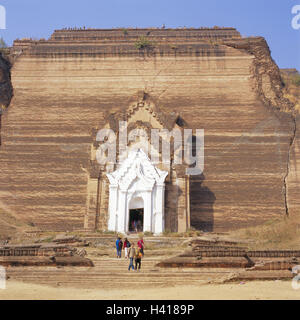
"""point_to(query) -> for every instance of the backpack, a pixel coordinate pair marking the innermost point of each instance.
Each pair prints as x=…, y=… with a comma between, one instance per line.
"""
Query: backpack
x=128, y=244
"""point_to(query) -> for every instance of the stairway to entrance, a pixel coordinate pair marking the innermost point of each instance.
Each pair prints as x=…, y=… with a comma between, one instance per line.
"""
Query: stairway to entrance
x=113, y=273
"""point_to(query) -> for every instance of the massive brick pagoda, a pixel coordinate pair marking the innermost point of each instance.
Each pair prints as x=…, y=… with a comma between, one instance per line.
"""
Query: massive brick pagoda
x=78, y=81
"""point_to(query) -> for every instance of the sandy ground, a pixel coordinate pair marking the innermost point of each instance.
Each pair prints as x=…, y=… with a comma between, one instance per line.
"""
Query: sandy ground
x=277, y=290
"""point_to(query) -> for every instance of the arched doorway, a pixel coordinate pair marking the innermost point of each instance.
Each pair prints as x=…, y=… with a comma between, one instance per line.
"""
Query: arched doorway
x=136, y=220
x=136, y=215
x=136, y=184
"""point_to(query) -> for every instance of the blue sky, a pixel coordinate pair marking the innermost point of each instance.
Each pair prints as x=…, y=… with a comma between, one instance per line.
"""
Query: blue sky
x=268, y=18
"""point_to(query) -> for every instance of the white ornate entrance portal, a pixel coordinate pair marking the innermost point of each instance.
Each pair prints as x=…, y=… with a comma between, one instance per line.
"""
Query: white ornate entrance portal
x=137, y=183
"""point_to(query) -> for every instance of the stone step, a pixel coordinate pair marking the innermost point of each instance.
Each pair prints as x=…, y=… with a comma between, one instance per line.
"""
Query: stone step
x=113, y=273
x=215, y=262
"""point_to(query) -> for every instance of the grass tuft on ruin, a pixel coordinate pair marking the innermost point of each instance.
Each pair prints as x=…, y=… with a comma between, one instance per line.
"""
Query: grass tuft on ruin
x=296, y=80
x=143, y=43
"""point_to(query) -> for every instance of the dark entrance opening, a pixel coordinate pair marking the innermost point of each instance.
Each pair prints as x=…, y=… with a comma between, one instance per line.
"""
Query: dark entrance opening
x=136, y=220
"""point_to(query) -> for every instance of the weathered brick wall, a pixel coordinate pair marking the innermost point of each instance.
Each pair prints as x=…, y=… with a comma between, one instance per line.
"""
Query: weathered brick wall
x=62, y=93
x=293, y=178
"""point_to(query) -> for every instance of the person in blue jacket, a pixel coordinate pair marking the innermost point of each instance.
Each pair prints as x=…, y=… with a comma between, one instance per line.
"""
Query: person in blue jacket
x=119, y=245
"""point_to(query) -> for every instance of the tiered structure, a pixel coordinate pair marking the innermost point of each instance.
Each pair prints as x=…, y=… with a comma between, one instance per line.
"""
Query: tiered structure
x=79, y=81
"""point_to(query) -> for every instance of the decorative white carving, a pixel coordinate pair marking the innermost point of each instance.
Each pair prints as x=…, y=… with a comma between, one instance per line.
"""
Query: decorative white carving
x=136, y=177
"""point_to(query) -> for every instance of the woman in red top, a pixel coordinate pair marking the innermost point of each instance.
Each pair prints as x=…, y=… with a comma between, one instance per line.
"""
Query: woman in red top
x=126, y=246
x=141, y=245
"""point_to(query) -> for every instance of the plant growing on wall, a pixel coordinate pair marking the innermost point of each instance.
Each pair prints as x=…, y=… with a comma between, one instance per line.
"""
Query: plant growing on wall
x=296, y=80
x=143, y=43
x=4, y=50
x=2, y=43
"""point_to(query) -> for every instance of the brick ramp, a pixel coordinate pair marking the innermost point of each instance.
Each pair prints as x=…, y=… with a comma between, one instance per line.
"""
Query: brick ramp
x=215, y=262
x=43, y=261
x=204, y=253
x=46, y=249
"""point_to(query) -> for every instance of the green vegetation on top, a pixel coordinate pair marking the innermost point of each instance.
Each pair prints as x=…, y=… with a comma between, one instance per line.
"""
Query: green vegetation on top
x=143, y=43
x=296, y=80
x=3, y=44
x=4, y=50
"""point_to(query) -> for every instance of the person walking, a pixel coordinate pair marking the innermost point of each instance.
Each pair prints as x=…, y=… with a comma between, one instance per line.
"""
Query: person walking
x=141, y=245
x=138, y=259
x=126, y=246
x=132, y=255
x=135, y=225
x=119, y=245
x=139, y=226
